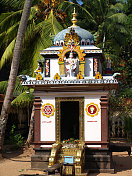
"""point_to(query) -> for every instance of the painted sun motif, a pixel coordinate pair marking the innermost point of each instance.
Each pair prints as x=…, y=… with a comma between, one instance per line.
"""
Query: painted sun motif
x=92, y=109
x=48, y=110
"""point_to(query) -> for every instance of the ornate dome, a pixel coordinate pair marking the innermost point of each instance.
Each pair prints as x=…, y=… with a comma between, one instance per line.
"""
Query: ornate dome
x=85, y=37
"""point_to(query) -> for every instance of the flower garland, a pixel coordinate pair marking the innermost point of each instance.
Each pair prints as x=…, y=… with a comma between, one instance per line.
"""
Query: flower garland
x=71, y=140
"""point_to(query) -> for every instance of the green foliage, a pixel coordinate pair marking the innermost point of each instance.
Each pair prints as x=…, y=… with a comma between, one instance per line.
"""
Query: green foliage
x=40, y=26
x=18, y=87
x=14, y=139
x=71, y=141
x=126, y=93
x=128, y=127
x=121, y=103
x=3, y=87
x=23, y=100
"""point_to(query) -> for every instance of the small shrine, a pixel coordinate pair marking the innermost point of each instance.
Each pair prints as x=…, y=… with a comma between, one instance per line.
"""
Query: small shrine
x=71, y=105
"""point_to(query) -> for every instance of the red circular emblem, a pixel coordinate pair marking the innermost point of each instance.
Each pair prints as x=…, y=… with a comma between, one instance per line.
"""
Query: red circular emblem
x=48, y=110
x=92, y=109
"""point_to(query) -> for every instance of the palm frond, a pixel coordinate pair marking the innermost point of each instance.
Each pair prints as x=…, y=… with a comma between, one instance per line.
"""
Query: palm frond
x=18, y=87
x=8, y=53
x=82, y=8
x=14, y=4
x=3, y=87
x=118, y=18
x=118, y=7
x=53, y=24
x=12, y=32
x=2, y=36
x=23, y=100
x=9, y=20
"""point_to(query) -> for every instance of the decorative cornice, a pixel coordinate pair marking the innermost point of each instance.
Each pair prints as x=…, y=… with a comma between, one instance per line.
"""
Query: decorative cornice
x=49, y=52
x=82, y=81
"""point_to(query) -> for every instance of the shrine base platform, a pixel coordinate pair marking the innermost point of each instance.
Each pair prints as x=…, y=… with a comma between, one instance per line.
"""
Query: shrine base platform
x=97, y=160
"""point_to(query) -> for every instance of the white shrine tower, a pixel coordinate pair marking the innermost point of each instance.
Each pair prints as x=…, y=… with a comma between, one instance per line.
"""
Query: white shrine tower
x=71, y=104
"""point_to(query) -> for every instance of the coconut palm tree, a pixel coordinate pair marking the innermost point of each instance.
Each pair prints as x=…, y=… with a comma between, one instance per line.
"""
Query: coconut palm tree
x=14, y=70
x=33, y=38
x=44, y=20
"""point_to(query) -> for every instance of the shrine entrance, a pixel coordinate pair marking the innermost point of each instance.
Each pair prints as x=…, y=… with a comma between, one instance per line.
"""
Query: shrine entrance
x=69, y=120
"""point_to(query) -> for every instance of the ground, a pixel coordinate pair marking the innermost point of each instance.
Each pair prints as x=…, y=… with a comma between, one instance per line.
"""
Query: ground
x=17, y=163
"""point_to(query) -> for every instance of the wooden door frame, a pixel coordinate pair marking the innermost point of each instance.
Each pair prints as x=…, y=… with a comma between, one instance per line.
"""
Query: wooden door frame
x=58, y=101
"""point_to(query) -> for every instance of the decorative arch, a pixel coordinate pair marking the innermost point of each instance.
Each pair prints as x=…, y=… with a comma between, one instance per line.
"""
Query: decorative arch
x=80, y=56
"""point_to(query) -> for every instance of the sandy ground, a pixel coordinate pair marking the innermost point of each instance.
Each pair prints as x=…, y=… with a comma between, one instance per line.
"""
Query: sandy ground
x=17, y=163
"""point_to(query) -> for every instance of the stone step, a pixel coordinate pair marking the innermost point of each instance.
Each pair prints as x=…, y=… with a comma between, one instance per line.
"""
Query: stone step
x=42, y=151
x=97, y=158
x=102, y=171
x=97, y=165
x=89, y=151
x=40, y=158
x=39, y=165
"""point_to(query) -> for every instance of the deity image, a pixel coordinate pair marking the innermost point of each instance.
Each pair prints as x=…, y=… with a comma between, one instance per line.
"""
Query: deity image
x=108, y=63
x=47, y=67
x=71, y=64
x=39, y=71
x=39, y=68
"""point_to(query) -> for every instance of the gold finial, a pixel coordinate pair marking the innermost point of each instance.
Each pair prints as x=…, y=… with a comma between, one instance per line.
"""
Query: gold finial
x=74, y=20
x=53, y=3
x=74, y=10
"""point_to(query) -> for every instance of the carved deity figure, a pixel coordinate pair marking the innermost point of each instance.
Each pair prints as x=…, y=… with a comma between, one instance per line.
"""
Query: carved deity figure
x=108, y=63
x=70, y=65
x=92, y=109
x=39, y=69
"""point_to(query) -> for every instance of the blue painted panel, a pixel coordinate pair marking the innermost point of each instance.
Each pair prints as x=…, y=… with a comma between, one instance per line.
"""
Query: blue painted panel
x=68, y=159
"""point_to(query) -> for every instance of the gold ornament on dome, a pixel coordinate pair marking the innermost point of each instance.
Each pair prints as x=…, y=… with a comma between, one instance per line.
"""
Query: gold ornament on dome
x=72, y=38
x=74, y=20
x=57, y=76
x=98, y=76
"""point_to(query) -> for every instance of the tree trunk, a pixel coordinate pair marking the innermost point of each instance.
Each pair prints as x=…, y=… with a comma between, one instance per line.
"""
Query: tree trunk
x=14, y=70
x=30, y=133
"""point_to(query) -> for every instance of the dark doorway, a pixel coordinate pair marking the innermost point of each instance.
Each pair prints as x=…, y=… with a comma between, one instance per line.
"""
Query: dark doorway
x=69, y=119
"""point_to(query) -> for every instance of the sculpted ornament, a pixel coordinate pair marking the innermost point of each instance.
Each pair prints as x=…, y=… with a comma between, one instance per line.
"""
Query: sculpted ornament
x=67, y=49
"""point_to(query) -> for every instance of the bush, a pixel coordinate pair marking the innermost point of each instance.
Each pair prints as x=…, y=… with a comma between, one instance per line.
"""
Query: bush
x=14, y=139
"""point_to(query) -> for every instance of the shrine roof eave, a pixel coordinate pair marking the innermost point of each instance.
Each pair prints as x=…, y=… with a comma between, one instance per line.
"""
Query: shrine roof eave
x=73, y=88
x=58, y=86
x=90, y=49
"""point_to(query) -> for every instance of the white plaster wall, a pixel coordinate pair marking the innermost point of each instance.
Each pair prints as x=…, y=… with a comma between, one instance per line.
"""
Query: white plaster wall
x=47, y=127
x=88, y=67
x=92, y=125
x=54, y=67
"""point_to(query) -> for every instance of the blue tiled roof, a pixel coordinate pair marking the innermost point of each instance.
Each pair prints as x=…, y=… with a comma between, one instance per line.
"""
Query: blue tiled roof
x=82, y=33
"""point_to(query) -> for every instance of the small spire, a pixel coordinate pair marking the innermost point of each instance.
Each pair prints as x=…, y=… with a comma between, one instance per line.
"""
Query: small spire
x=74, y=20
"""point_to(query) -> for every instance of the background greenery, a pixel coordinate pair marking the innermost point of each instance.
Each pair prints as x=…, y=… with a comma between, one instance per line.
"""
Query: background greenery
x=110, y=21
